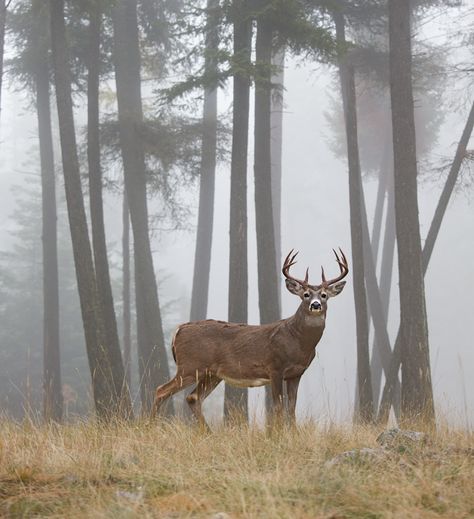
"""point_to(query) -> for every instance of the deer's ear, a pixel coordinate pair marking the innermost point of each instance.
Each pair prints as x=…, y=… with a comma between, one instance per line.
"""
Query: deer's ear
x=293, y=286
x=336, y=289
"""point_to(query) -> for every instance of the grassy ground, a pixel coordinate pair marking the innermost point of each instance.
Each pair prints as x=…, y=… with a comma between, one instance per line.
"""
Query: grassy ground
x=174, y=470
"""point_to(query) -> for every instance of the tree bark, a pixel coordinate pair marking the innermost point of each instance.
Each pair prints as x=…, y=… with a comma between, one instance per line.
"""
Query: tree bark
x=202, y=258
x=346, y=72
x=268, y=279
x=276, y=151
x=389, y=388
x=52, y=389
x=417, y=393
x=95, y=196
x=105, y=364
x=276, y=148
x=236, y=398
x=127, y=328
x=152, y=359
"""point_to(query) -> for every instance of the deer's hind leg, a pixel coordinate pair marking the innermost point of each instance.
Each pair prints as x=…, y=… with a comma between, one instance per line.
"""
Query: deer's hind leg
x=169, y=389
x=204, y=388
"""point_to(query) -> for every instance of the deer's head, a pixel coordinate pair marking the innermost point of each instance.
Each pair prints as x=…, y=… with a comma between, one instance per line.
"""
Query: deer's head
x=315, y=297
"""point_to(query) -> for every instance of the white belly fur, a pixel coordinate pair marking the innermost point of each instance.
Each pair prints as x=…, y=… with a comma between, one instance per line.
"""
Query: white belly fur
x=246, y=382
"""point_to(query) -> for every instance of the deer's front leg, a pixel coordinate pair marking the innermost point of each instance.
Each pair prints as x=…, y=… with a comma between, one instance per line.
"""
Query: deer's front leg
x=292, y=390
x=277, y=395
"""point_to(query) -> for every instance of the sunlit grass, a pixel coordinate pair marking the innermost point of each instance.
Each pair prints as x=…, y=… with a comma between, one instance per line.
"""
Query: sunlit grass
x=174, y=470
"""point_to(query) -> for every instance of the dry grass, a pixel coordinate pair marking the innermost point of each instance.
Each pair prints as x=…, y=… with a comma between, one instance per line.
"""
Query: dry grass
x=174, y=470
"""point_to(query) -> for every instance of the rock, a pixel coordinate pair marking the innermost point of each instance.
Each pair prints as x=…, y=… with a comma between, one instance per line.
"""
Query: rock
x=399, y=439
x=134, y=497
x=358, y=455
x=220, y=515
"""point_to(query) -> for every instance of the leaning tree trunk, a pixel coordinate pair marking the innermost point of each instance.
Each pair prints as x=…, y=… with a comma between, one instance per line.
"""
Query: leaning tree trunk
x=388, y=250
x=95, y=191
x=105, y=363
x=236, y=398
x=152, y=359
x=389, y=388
x=52, y=389
x=346, y=71
x=202, y=258
x=417, y=392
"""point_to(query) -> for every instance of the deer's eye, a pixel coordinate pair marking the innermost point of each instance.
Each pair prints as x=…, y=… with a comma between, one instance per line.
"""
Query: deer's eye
x=306, y=295
x=323, y=295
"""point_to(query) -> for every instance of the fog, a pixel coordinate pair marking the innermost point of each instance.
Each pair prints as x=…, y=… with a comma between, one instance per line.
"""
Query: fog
x=315, y=219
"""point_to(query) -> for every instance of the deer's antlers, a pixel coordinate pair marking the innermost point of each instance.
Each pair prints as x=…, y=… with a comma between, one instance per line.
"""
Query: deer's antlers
x=344, y=267
x=341, y=261
x=289, y=262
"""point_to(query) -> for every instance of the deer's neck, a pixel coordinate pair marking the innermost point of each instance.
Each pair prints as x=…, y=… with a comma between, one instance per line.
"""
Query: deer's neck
x=306, y=329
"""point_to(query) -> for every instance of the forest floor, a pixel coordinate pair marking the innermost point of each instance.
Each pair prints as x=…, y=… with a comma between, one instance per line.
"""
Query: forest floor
x=175, y=470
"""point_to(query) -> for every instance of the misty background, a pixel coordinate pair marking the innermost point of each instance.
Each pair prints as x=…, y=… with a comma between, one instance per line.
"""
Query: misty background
x=314, y=220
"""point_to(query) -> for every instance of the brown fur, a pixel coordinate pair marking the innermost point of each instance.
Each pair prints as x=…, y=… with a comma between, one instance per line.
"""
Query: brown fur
x=207, y=352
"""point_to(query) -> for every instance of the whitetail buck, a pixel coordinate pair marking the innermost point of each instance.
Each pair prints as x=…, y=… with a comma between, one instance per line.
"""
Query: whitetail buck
x=207, y=352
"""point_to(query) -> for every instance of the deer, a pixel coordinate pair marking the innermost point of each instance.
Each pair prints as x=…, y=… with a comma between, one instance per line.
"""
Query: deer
x=210, y=351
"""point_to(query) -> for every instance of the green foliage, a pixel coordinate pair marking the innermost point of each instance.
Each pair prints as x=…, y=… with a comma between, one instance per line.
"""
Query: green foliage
x=303, y=28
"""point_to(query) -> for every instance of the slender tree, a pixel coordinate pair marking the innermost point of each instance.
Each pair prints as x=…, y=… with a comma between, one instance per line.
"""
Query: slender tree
x=388, y=249
x=52, y=390
x=346, y=72
x=276, y=149
x=105, y=362
x=265, y=183
x=417, y=393
x=202, y=258
x=101, y=262
x=152, y=360
x=126, y=316
x=238, y=266
x=264, y=215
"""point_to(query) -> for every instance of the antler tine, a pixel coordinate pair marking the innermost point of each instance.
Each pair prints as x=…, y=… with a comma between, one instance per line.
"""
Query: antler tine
x=289, y=262
x=290, y=259
x=343, y=266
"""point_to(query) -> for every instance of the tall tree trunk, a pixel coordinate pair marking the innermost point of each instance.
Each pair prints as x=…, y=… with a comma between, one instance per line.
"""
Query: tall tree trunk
x=202, y=258
x=3, y=17
x=276, y=150
x=268, y=279
x=152, y=360
x=417, y=392
x=95, y=193
x=389, y=388
x=346, y=72
x=236, y=398
x=126, y=316
x=52, y=390
x=104, y=362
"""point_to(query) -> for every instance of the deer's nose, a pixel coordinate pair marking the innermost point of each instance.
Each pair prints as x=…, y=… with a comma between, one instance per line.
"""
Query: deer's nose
x=315, y=305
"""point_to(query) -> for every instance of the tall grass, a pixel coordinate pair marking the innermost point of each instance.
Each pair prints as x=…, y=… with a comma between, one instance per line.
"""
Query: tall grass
x=170, y=469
